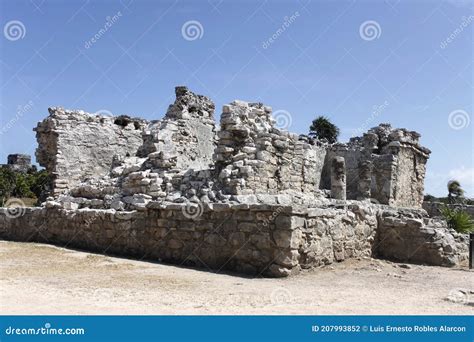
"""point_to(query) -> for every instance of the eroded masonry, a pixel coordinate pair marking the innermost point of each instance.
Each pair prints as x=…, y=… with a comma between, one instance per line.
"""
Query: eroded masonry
x=243, y=196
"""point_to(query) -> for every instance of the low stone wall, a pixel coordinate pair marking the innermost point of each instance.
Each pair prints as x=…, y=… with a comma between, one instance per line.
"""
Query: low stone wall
x=269, y=240
x=410, y=237
x=434, y=208
x=255, y=239
x=327, y=235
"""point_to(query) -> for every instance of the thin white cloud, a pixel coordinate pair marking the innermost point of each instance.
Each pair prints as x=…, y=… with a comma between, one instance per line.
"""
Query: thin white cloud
x=436, y=182
x=464, y=175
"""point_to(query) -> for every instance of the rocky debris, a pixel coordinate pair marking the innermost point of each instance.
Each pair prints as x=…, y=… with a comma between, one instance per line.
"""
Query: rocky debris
x=407, y=236
x=254, y=156
x=186, y=137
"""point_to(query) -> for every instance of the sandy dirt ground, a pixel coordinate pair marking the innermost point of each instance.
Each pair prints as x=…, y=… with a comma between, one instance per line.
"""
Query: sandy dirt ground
x=43, y=279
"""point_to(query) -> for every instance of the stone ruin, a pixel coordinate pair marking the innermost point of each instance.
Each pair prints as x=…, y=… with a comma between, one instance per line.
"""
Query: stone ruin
x=243, y=196
x=18, y=163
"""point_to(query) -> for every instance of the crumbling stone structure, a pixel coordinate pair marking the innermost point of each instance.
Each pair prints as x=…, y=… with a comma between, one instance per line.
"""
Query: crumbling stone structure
x=247, y=197
x=385, y=164
x=254, y=157
x=18, y=162
x=75, y=145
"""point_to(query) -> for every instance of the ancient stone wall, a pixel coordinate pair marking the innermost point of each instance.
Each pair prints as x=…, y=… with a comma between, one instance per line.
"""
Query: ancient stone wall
x=256, y=239
x=253, y=156
x=222, y=239
x=18, y=162
x=183, y=157
x=326, y=235
x=386, y=164
x=74, y=145
x=249, y=197
x=174, y=163
x=434, y=208
x=408, y=236
x=186, y=137
x=253, y=239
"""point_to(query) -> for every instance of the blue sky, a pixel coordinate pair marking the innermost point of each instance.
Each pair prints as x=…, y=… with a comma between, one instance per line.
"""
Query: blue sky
x=411, y=66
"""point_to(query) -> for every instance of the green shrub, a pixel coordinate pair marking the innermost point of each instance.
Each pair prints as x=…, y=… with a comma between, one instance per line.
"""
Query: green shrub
x=7, y=184
x=22, y=186
x=33, y=184
x=457, y=219
x=429, y=198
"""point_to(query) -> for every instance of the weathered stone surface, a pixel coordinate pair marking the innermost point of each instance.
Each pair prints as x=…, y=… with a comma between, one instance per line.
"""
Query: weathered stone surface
x=183, y=157
x=255, y=157
x=413, y=240
x=390, y=162
x=251, y=240
x=248, y=197
x=75, y=145
x=186, y=137
x=434, y=208
x=338, y=178
x=18, y=162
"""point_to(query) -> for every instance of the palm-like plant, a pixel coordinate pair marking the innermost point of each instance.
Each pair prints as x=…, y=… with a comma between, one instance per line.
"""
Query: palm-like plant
x=455, y=191
x=458, y=220
x=322, y=128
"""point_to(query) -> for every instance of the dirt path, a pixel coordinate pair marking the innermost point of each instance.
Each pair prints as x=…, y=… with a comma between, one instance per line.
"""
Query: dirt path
x=43, y=279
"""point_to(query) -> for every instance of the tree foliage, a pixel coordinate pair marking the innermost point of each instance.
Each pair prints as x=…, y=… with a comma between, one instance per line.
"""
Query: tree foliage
x=455, y=191
x=33, y=184
x=322, y=128
x=7, y=184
